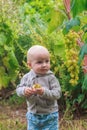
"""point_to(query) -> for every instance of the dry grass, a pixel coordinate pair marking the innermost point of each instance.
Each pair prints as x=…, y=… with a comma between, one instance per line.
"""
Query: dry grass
x=16, y=124
x=73, y=124
x=14, y=119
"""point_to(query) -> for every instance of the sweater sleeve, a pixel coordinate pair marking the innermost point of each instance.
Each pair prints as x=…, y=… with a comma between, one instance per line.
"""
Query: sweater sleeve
x=20, y=87
x=54, y=93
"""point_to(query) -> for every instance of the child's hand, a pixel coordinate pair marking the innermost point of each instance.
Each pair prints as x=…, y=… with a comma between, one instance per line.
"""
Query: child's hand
x=29, y=91
x=40, y=91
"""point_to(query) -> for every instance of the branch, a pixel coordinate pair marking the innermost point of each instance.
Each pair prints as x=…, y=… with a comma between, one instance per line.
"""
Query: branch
x=67, y=8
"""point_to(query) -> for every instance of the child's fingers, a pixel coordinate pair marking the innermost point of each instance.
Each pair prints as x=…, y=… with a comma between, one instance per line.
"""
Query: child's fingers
x=28, y=92
x=40, y=91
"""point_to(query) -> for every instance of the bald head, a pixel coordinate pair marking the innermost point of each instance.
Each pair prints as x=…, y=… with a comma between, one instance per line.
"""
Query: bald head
x=36, y=50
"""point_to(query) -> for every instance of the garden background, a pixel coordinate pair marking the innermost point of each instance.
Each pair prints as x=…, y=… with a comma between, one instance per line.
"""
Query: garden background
x=59, y=25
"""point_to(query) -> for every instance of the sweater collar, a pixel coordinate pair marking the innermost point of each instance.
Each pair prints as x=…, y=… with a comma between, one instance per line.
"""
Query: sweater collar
x=34, y=75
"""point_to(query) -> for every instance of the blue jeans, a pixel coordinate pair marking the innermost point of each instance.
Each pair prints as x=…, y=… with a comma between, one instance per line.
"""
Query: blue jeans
x=42, y=122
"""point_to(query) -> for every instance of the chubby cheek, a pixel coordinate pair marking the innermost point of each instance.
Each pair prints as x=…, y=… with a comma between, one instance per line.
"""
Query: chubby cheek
x=37, y=67
x=49, y=66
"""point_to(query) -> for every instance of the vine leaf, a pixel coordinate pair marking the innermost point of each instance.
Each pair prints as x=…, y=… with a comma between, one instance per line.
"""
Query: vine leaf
x=84, y=85
x=83, y=51
x=4, y=79
x=72, y=24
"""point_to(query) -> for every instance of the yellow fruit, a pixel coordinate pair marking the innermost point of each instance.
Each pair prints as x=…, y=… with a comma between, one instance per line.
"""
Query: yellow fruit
x=76, y=78
x=36, y=86
x=71, y=68
x=72, y=75
x=71, y=55
x=71, y=81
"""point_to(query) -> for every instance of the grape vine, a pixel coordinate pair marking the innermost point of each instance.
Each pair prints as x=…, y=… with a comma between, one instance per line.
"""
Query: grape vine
x=71, y=54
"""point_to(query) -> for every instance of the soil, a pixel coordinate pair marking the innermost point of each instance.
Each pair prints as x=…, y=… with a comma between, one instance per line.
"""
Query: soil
x=13, y=112
x=18, y=113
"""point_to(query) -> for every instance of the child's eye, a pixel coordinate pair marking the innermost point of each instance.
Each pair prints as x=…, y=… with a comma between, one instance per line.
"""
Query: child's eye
x=47, y=61
x=39, y=62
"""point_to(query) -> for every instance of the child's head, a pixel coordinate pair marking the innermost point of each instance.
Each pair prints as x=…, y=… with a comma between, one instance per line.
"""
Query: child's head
x=38, y=58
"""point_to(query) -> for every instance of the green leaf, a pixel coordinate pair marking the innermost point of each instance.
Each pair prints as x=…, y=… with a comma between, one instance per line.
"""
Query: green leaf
x=3, y=39
x=84, y=37
x=4, y=79
x=84, y=104
x=55, y=20
x=2, y=70
x=83, y=51
x=77, y=6
x=7, y=48
x=80, y=98
x=13, y=75
x=12, y=60
x=72, y=24
x=1, y=51
x=5, y=62
x=84, y=85
x=12, y=70
x=58, y=50
x=85, y=27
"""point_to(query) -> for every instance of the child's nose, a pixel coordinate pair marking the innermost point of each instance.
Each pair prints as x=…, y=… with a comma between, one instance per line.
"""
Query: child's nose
x=44, y=64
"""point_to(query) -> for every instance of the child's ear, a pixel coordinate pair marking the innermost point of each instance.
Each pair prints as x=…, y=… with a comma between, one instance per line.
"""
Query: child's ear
x=29, y=64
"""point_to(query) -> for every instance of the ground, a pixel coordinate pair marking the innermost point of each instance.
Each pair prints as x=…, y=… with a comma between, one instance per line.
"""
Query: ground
x=13, y=118
x=12, y=113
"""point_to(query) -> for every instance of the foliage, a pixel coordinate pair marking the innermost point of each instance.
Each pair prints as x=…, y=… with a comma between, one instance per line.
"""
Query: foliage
x=82, y=52
x=82, y=6
x=73, y=24
x=84, y=85
x=71, y=55
x=16, y=100
x=25, y=23
x=9, y=63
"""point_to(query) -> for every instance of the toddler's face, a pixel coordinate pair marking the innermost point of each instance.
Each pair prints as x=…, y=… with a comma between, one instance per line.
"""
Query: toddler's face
x=40, y=63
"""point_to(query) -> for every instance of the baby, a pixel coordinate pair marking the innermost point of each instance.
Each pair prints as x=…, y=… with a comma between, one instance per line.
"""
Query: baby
x=41, y=89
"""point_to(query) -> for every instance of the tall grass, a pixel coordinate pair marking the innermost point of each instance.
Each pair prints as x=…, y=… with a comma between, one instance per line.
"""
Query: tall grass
x=9, y=123
x=74, y=125
x=13, y=118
